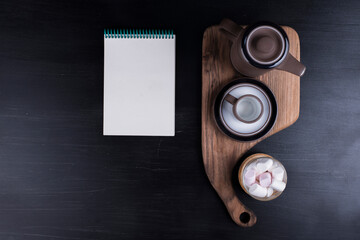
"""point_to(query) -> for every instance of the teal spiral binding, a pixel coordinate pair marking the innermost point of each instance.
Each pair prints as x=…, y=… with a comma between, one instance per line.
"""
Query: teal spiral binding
x=139, y=33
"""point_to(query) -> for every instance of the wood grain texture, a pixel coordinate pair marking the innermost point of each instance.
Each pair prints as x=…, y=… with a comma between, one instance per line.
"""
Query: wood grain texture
x=220, y=152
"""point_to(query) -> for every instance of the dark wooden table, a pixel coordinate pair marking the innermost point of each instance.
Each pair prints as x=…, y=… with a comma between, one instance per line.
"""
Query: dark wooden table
x=61, y=179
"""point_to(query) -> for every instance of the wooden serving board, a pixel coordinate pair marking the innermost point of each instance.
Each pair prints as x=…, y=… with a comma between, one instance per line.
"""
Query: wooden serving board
x=220, y=152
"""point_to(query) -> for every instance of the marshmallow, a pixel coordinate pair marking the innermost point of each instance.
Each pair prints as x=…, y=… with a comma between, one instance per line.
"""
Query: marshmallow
x=270, y=192
x=265, y=179
x=264, y=164
x=249, y=177
x=275, y=165
x=278, y=185
x=278, y=173
x=252, y=166
x=257, y=190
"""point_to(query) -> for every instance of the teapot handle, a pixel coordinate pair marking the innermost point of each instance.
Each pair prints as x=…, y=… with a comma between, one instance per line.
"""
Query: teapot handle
x=292, y=65
x=230, y=28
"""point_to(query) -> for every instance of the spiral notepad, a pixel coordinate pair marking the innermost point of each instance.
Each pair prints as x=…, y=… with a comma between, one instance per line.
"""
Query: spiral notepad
x=139, y=82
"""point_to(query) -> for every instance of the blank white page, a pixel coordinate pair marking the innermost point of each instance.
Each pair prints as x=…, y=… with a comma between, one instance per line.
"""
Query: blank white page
x=139, y=87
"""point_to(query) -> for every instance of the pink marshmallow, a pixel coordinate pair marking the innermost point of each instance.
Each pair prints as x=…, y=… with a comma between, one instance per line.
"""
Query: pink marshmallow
x=249, y=177
x=265, y=179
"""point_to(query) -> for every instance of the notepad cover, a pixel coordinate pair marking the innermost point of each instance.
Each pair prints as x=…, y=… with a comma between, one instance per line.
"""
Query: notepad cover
x=139, y=86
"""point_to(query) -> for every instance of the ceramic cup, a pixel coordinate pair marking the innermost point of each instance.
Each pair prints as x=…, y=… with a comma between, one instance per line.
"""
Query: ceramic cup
x=259, y=48
x=245, y=109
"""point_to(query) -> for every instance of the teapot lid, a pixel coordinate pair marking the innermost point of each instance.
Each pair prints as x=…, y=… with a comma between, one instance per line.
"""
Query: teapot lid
x=265, y=44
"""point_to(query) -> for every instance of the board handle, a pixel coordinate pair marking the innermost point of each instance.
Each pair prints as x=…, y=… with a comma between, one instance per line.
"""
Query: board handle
x=240, y=214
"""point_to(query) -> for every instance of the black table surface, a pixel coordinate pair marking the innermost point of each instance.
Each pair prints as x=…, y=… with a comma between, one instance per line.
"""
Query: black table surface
x=60, y=178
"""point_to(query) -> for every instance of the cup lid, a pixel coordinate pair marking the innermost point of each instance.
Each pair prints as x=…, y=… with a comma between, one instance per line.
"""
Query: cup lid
x=265, y=44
